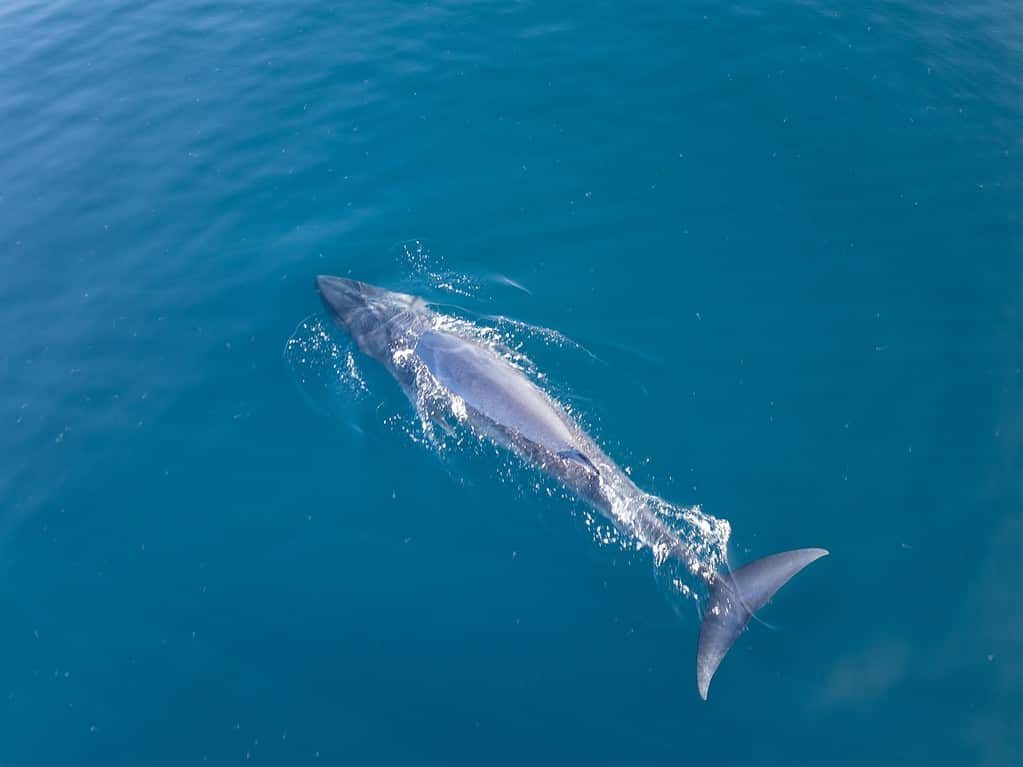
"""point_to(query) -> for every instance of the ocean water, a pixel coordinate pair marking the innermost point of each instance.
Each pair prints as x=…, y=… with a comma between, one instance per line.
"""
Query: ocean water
x=769, y=253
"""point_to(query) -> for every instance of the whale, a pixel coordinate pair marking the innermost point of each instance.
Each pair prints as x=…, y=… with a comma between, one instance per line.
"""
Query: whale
x=452, y=378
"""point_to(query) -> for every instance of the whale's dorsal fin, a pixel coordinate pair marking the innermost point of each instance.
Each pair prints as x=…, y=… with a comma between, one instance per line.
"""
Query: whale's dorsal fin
x=572, y=454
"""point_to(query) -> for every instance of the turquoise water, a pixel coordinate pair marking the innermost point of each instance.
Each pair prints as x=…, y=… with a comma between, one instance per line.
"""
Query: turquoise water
x=784, y=240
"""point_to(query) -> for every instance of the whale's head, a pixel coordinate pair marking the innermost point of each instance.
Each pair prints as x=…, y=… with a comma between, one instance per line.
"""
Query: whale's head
x=372, y=316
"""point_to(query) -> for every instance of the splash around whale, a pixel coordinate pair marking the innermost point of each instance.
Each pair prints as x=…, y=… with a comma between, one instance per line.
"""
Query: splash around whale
x=454, y=380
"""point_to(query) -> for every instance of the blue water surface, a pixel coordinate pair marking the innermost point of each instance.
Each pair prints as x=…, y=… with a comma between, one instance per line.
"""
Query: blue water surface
x=790, y=234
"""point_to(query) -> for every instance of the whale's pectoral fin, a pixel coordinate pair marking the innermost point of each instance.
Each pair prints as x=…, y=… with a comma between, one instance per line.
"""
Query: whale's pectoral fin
x=572, y=454
x=734, y=597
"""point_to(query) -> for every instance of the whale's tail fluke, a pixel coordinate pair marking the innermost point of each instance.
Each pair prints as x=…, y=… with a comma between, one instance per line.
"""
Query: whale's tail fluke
x=734, y=597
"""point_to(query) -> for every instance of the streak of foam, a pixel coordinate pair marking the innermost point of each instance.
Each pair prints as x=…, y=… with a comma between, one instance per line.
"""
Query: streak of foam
x=548, y=335
x=705, y=538
x=427, y=266
x=319, y=365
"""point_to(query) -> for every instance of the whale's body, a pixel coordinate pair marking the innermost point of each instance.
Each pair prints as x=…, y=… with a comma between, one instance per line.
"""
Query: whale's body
x=501, y=403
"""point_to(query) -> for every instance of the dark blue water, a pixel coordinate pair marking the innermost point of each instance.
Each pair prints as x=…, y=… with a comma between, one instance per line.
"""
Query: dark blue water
x=790, y=233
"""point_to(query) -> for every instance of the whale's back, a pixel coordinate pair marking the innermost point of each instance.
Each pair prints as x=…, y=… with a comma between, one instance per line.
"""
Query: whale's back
x=495, y=388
